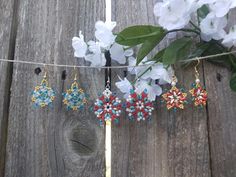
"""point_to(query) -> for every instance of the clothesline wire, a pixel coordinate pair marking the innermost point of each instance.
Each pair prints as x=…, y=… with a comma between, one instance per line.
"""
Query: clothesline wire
x=111, y=67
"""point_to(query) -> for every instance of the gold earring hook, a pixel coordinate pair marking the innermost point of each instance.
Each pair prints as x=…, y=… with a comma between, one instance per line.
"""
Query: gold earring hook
x=196, y=69
x=45, y=79
x=75, y=73
x=45, y=71
x=174, y=78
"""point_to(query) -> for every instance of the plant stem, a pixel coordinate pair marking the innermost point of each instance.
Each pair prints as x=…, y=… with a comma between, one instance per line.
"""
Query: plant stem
x=198, y=19
x=195, y=26
x=220, y=45
x=185, y=30
x=142, y=74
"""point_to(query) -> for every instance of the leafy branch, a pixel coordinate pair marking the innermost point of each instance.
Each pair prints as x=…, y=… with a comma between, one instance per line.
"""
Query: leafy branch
x=181, y=49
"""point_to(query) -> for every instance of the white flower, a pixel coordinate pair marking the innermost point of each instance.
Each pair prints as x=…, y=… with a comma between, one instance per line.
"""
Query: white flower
x=80, y=47
x=152, y=88
x=230, y=38
x=104, y=33
x=212, y=27
x=96, y=57
x=94, y=52
x=147, y=81
x=156, y=71
x=119, y=54
x=233, y=4
x=219, y=7
x=175, y=14
x=124, y=86
x=167, y=79
x=202, y=2
x=94, y=47
x=132, y=62
x=137, y=70
x=222, y=7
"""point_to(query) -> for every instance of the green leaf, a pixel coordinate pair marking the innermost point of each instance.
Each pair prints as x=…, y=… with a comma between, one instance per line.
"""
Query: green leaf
x=215, y=48
x=158, y=56
x=233, y=82
x=135, y=35
x=203, y=11
x=200, y=49
x=179, y=49
x=148, y=46
x=233, y=62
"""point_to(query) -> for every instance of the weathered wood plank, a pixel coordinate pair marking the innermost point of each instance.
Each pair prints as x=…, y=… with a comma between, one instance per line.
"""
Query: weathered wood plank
x=7, y=35
x=221, y=117
x=53, y=142
x=222, y=122
x=171, y=144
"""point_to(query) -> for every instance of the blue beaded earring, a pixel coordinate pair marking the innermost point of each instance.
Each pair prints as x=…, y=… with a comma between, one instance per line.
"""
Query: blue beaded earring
x=43, y=95
x=75, y=98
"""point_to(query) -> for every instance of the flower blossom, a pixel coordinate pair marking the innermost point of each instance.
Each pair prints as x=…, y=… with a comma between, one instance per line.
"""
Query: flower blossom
x=104, y=33
x=153, y=89
x=95, y=56
x=94, y=51
x=149, y=70
x=80, y=47
x=124, y=86
x=222, y=7
x=147, y=78
x=119, y=53
x=212, y=27
x=175, y=14
x=230, y=38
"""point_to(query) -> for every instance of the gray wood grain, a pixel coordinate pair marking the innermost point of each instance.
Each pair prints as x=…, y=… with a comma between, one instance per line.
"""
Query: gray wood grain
x=53, y=142
x=222, y=122
x=221, y=117
x=171, y=144
x=7, y=25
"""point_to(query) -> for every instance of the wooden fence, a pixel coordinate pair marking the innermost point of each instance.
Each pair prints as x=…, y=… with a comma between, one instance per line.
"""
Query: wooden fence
x=57, y=143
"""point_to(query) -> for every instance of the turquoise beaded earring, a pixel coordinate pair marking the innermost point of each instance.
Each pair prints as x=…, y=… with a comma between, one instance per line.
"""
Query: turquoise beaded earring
x=75, y=98
x=43, y=95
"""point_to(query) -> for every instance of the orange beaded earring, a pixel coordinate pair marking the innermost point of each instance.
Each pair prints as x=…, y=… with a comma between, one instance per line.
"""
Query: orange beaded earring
x=198, y=93
x=175, y=98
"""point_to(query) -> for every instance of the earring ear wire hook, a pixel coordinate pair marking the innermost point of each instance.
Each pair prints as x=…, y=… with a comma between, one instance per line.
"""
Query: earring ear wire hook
x=75, y=73
x=196, y=69
x=174, y=77
x=45, y=71
x=108, y=78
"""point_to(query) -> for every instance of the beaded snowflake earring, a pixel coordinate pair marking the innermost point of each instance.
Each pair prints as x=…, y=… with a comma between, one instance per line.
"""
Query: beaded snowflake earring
x=138, y=106
x=107, y=107
x=198, y=93
x=175, y=98
x=43, y=95
x=75, y=98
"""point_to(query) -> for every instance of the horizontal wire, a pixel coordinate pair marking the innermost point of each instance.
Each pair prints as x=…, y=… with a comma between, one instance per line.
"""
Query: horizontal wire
x=114, y=67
